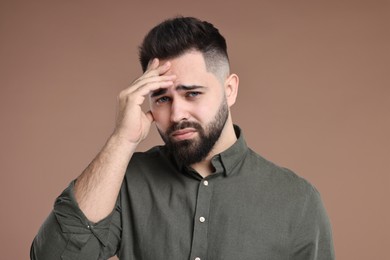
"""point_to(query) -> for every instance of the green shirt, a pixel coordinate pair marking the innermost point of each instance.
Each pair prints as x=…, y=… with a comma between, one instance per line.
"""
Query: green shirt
x=249, y=208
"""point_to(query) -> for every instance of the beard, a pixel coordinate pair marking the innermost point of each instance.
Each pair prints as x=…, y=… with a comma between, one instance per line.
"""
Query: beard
x=195, y=150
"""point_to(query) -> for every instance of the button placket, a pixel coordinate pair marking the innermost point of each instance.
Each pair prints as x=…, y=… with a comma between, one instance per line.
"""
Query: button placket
x=199, y=239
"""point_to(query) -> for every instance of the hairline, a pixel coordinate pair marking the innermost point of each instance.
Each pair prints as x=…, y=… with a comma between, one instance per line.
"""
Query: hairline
x=215, y=62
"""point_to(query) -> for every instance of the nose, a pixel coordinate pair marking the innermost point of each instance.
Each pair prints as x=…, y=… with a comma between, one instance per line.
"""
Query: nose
x=179, y=111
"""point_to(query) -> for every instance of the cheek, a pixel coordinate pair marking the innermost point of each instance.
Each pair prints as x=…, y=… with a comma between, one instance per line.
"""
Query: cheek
x=201, y=113
x=160, y=116
x=205, y=113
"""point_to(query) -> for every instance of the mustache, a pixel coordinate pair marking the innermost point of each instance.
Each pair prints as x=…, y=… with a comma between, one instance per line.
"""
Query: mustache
x=183, y=124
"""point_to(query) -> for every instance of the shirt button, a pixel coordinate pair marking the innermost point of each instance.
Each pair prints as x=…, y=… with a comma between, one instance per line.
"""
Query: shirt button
x=206, y=183
x=197, y=258
x=202, y=219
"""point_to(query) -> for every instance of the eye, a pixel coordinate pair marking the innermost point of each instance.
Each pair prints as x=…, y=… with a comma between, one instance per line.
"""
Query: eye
x=162, y=100
x=193, y=94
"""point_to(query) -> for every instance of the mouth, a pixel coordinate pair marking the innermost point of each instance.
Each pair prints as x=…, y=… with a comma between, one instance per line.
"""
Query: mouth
x=183, y=134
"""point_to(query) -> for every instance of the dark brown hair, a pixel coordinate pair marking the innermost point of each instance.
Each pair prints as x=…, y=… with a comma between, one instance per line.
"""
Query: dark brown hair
x=174, y=37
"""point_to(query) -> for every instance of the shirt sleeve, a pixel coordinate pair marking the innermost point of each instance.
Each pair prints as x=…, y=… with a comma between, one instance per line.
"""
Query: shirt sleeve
x=68, y=235
x=313, y=235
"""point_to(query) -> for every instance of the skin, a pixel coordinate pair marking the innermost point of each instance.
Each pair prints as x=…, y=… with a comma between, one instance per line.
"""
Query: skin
x=97, y=188
x=196, y=96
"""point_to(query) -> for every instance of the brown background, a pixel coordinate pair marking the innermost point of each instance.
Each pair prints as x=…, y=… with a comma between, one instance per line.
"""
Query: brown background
x=314, y=97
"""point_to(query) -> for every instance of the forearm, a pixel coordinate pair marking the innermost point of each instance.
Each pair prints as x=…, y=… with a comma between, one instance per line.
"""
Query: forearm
x=85, y=222
x=97, y=188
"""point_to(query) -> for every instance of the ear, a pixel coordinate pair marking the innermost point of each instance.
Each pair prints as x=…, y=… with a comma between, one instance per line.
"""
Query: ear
x=231, y=89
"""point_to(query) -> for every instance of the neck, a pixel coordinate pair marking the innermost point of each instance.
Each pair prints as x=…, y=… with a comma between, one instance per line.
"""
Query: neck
x=227, y=139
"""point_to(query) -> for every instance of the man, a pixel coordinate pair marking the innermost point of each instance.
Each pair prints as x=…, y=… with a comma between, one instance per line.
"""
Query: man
x=205, y=194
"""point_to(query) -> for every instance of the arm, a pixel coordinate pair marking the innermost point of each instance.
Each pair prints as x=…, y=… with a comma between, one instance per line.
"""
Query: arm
x=88, y=210
x=97, y=188
x=313, y=236
x=67, y=234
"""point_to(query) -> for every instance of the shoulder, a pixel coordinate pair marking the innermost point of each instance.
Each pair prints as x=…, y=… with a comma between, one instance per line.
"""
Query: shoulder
x=153, y=152
x=278, y=178
x=152, y=157
x=293, y=194
x=150, y=162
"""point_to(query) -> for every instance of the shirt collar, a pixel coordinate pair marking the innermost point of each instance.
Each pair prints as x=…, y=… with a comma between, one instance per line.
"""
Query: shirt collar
x=231, y=157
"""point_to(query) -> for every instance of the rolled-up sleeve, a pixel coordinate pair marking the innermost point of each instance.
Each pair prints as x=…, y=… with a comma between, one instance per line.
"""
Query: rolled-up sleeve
x=68, y=235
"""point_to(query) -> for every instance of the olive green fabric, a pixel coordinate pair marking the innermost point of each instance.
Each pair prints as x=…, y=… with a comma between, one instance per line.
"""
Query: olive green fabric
x=249, y=208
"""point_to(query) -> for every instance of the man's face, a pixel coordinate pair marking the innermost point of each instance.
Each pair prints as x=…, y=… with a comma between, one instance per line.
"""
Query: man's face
x=191, y=115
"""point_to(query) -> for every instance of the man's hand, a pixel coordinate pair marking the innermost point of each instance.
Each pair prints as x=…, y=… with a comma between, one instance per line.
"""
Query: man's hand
x=97, y=188
x=132, y=123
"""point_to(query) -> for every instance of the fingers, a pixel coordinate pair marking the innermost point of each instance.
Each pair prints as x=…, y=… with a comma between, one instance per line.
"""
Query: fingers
x=153, y=78
x=153, y=64
x=149, y=116
x=163, y=68
x=154, y=69
x=151, y=84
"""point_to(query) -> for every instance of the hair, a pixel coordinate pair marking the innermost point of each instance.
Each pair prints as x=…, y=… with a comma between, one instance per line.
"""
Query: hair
x=176, y=36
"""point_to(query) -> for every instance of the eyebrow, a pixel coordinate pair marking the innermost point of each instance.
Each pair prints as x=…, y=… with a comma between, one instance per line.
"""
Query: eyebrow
x=162, y=91
x=159, y=92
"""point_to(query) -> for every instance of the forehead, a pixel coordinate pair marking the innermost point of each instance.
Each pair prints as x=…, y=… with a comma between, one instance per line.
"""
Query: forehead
x=190, y=68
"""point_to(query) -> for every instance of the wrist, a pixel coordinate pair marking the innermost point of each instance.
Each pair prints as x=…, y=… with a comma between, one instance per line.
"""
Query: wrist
x=121, y=142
